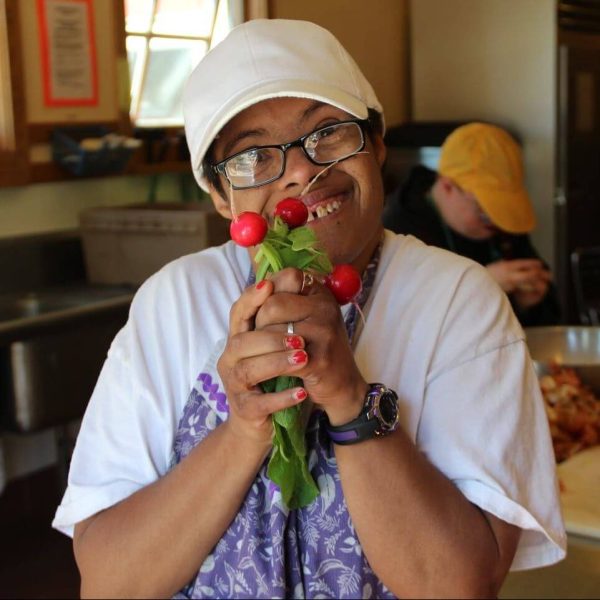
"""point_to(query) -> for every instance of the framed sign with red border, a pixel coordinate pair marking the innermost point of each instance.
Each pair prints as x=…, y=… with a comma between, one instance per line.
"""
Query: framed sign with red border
x=68, y=52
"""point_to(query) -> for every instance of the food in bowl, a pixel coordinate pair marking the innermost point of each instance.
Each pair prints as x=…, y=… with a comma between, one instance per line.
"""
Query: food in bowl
x=573, y=411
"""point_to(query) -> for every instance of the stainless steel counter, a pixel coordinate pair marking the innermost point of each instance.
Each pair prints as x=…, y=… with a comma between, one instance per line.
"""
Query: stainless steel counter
x=29, y=314
x=55, y=330
x=53, y=343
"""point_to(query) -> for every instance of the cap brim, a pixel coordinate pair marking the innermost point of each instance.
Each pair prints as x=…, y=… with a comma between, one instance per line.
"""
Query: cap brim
x=510, y=211
x=276, y=89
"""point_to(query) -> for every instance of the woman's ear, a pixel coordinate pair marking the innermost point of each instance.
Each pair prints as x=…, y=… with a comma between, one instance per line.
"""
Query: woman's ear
x=379, y=149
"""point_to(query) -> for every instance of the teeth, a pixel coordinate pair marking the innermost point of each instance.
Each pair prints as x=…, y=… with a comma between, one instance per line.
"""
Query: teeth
x=323, y=210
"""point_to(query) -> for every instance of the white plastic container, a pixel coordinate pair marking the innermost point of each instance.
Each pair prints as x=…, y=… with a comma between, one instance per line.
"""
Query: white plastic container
x=127, y=244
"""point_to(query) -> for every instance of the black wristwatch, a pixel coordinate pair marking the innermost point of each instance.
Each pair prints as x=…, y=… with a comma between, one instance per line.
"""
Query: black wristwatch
x=380, y=416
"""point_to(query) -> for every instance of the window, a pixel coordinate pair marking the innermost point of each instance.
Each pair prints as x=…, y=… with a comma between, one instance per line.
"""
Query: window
x=165, y=40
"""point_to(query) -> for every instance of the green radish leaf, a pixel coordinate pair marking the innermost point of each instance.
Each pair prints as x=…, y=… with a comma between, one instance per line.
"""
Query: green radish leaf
x=302, y=245
x=300, y=259
x=276, y=242
x=268, y=386
x=307, y=261
x=263, y=267
x=284, y=446
x=287, y=466
x=295, y=481
x=272, y=255
x=286, y=417
x=302, y=238
x=284, y=474
x=296, y=434
x=286, y=382
x=280, y=228
x=280, y=244
x=323, y=264
x=307, y=491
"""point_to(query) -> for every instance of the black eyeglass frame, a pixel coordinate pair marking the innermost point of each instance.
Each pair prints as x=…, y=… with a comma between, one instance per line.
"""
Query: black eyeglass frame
x=283, y=148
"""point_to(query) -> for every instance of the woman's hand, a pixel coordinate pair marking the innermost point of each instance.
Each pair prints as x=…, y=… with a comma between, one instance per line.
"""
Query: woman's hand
x=252, y=356
x=330, y=375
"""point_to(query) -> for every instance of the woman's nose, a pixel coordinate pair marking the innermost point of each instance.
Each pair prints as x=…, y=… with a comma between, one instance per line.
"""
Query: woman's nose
x=298, y=169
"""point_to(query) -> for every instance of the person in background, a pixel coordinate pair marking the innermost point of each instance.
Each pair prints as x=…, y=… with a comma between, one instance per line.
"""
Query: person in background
x=476, y=205
x=426, y=433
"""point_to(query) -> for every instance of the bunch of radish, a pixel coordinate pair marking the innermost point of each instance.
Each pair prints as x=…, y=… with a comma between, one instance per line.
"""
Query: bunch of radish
x=289, y=243
x=251, y=229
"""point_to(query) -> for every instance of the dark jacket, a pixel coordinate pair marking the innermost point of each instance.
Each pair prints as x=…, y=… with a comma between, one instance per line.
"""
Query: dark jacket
x=409, y=211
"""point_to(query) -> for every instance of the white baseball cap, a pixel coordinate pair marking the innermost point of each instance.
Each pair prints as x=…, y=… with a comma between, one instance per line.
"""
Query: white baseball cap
x=269, y=58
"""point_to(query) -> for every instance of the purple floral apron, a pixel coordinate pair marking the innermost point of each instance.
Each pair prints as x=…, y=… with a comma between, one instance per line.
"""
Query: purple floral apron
x=269, y=551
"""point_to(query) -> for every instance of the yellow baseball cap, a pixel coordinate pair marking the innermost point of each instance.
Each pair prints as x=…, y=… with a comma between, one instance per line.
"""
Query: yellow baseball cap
x=486, y=161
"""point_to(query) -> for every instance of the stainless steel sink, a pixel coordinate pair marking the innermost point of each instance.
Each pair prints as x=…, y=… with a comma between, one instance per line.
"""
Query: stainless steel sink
x=53, y=343
x=33, y=304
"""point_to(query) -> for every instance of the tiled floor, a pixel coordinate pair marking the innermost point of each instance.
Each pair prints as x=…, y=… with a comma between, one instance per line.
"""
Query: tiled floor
x=35, y=560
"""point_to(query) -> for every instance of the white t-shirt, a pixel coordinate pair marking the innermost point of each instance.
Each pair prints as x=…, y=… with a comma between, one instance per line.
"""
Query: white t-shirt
x=438, y=330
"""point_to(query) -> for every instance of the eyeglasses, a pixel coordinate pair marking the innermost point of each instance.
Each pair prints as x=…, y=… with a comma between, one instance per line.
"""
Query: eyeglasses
x=263, y=164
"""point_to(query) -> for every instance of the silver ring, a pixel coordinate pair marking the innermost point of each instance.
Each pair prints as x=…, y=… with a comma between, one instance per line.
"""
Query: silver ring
x=290, y=328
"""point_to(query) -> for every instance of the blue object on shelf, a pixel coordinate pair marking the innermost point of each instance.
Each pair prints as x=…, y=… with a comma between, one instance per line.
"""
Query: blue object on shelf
x=107, y=159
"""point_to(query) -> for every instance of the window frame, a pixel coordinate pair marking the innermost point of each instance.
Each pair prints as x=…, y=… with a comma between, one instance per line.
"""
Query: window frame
x=14, y=166
x=148, y=36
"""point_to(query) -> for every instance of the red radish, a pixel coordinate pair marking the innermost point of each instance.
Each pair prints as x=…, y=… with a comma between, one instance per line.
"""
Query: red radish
x=248, y=229
x=292, y=211
x=344, y=282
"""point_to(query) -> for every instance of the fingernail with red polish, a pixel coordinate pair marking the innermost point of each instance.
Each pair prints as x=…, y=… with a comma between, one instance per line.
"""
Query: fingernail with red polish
x=293, y=342
x=300, y=394
x=299, y=357
x=260, y=284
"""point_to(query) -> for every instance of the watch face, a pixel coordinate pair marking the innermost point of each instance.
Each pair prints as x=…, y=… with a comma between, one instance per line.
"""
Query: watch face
x=388, y=409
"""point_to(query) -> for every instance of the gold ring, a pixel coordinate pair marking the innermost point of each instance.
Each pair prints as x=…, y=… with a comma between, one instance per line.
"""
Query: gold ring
x=307, y=281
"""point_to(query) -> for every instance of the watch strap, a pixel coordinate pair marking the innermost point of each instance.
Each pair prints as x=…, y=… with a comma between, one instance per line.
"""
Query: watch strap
x=365, y=426
x=357, y=430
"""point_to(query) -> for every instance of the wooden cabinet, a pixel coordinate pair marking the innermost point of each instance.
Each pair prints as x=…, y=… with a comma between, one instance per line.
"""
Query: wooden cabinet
x=13, y=146
x=35, y=117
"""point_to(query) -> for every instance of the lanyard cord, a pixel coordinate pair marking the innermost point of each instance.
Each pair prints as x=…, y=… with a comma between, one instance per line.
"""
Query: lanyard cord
x=368, y=278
